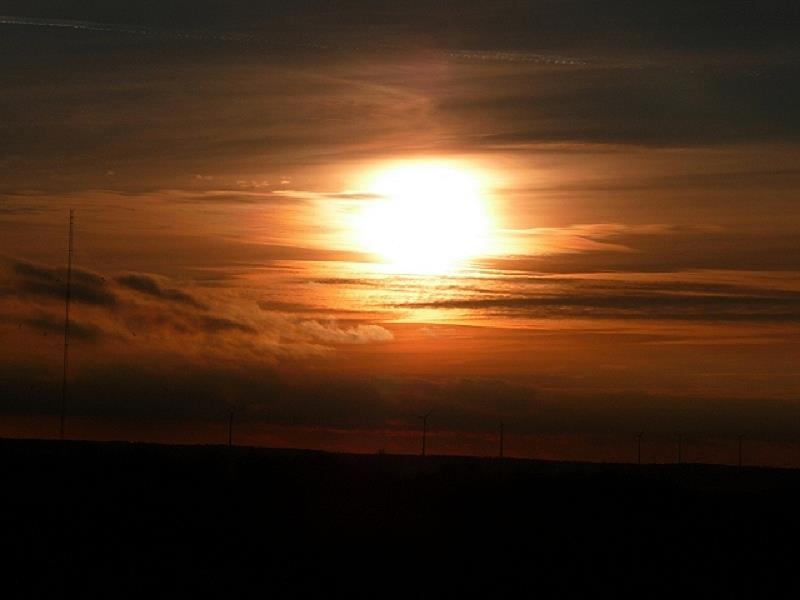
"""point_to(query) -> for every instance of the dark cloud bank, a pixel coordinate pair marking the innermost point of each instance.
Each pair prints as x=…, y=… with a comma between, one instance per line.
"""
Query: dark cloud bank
x=146, y=284
x=187, y=393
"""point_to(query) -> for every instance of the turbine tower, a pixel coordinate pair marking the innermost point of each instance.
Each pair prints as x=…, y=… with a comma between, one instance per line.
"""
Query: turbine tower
x=424, y=430
x=639, y=447
x=740, y=438
x=66, y=326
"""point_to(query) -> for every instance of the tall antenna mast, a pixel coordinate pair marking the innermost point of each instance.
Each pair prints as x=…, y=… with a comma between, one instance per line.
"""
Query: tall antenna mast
x=502, y=440
x=66, y=325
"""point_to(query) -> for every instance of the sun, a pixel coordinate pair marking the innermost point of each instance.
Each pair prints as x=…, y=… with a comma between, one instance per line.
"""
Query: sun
x=425, y=217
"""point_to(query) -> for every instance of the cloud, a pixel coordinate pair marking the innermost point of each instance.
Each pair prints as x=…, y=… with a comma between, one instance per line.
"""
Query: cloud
x=656, y=106
x=37, y=280
x=666, y=249
x=703, y=82
x=143, y=310
x=174, y=388
x=20, y=210
x=186, y=392
x=77, y=330
x=149, y=285
x=71, y=24
x=302, y=308
x=345, y=281
x=574, y=238
x=500, y=79
x=514, y=57
x=309, y=195
x=465, y=403
x=222, y=324
x=132, y=30
x=48, y=324
x=263, y=197
x=331, y=332
x=609, y=299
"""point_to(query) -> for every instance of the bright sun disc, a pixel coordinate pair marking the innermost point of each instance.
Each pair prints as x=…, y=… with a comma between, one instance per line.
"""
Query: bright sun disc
x=426, y=218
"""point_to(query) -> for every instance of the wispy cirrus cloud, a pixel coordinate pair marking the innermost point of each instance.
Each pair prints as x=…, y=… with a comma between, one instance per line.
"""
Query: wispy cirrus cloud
x=583, y=304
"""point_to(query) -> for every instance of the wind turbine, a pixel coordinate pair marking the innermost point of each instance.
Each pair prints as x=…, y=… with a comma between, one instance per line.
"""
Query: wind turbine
x=424, y=429
x=740, y=438
x=639, y=447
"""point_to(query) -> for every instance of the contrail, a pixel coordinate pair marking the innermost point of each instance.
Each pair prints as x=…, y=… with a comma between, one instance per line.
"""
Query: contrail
x=517, y=57
x=464, y=55
x=635, y=62
x=472, y=55
x=125, y=29
x=70, y=24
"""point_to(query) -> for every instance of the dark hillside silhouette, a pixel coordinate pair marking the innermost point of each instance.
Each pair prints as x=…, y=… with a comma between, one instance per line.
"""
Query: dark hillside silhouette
x=83, y=515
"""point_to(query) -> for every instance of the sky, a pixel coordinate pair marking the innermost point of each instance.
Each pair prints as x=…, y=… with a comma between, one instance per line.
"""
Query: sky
x=576, y=218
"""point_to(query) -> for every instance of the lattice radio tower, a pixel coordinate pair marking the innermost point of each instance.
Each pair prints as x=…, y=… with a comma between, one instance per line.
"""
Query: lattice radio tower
x=66, y=326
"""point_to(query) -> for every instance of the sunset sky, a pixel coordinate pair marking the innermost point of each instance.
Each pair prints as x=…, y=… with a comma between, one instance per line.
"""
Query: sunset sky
x=577, y=218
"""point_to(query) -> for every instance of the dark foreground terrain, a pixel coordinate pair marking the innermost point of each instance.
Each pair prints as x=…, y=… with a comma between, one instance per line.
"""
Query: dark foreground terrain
x=122, y=519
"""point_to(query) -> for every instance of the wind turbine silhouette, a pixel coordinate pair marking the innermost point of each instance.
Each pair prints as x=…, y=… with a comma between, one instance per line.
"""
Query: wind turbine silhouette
x=740, y=438
x=639, y=447
x=424, y=429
